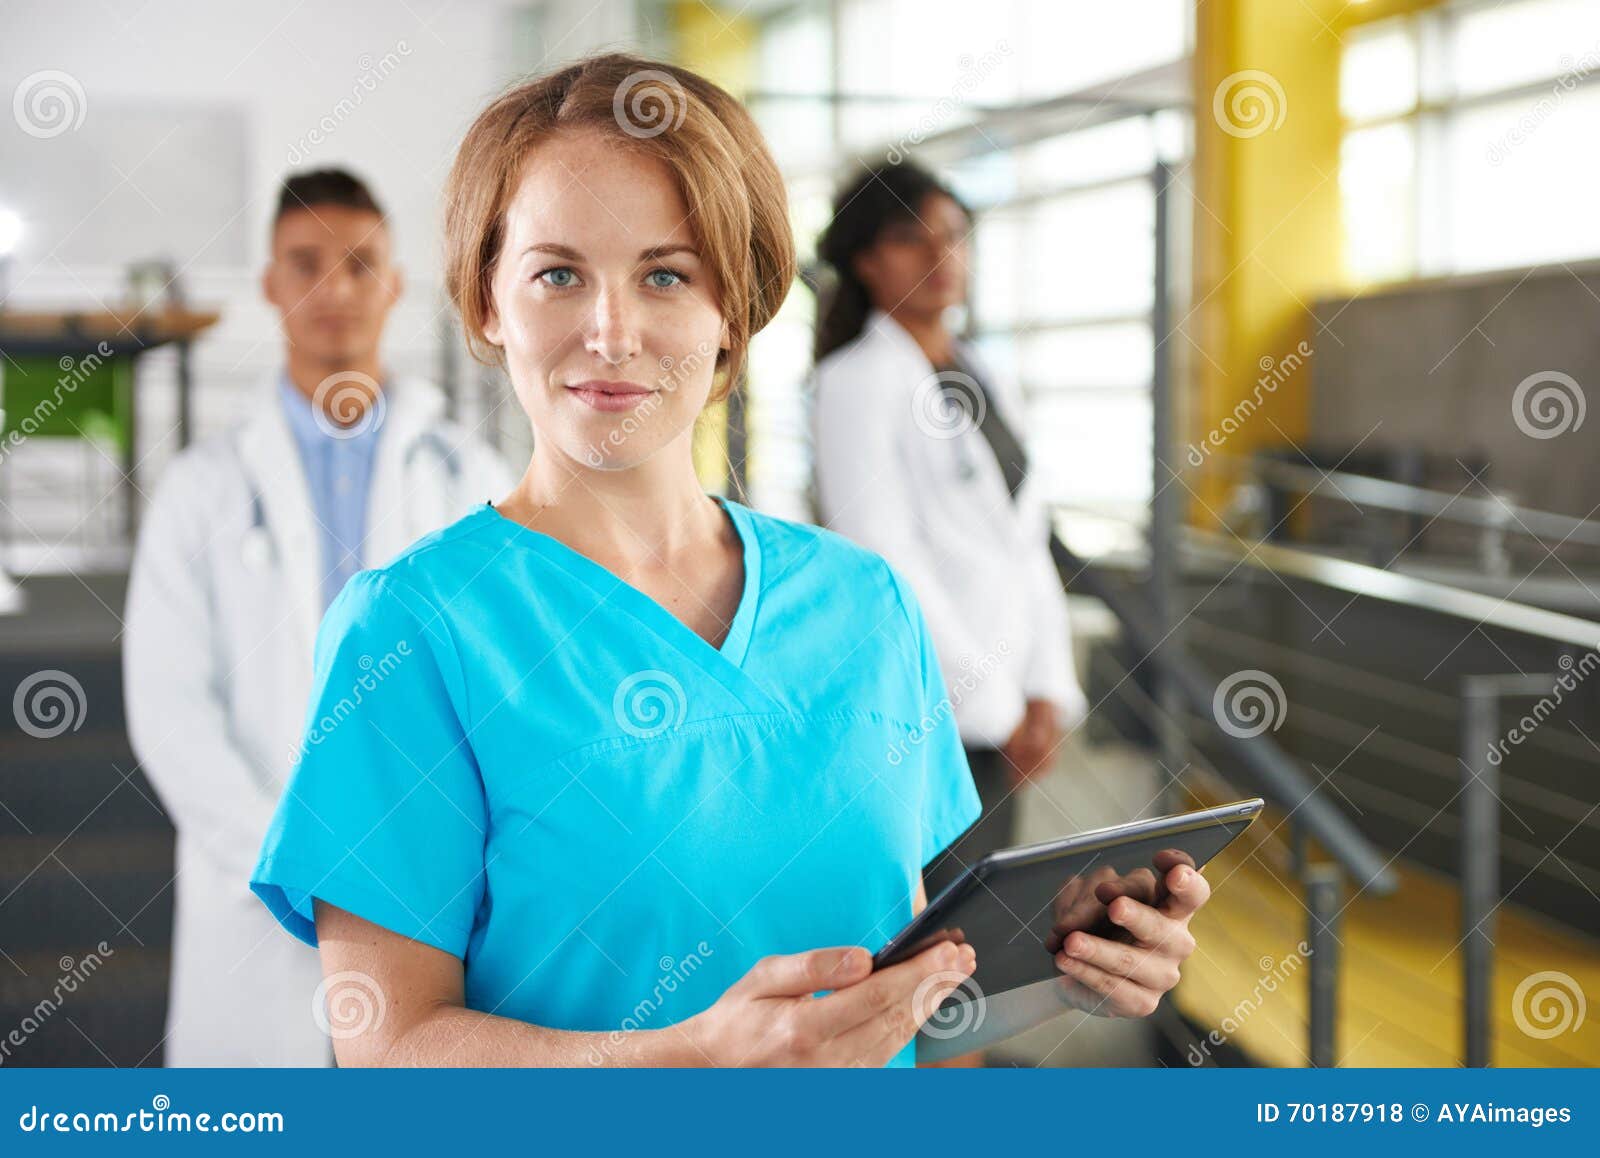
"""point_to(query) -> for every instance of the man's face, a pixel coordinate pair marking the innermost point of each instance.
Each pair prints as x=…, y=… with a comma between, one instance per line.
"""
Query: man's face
x=332, y=282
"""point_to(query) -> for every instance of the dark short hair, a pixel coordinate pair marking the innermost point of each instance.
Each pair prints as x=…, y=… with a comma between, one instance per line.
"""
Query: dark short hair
x=323, y=187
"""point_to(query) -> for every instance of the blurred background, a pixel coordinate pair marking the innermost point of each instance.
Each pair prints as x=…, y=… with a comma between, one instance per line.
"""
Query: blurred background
x=1304, y=300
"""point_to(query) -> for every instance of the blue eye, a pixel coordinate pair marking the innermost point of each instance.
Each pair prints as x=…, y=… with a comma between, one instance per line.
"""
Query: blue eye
x=550, y=276
x=673, y=274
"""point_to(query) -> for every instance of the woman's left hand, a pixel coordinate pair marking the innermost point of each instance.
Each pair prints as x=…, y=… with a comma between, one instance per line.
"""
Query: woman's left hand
x=1126, y=976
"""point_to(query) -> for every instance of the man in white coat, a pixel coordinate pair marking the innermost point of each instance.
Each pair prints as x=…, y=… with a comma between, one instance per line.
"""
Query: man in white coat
x=248, y=537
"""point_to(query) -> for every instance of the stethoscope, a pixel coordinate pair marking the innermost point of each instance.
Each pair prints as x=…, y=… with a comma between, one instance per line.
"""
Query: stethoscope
x=256, y=549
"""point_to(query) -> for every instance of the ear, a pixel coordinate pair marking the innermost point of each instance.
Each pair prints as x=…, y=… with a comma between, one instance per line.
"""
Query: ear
x=268, y=285
x=397, y=283
x=491, y=326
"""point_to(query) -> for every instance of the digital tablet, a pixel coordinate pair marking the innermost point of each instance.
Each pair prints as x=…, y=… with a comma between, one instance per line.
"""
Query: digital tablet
x=1016, y=907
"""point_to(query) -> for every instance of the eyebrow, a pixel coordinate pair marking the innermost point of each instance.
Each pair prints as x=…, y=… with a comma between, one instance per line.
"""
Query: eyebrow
x=570, y=254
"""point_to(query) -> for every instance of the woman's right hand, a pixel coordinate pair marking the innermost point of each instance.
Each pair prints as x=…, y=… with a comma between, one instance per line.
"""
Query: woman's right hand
x=770, y=1018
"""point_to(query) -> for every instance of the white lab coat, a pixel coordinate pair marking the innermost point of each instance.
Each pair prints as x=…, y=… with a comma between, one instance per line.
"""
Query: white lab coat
x=937, y=508
x=223, y=605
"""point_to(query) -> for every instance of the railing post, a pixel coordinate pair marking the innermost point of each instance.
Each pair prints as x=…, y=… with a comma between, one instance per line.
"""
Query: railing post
x=1322, y=883
x=1480, y=849
x=1165, y=513
x=1480, y=862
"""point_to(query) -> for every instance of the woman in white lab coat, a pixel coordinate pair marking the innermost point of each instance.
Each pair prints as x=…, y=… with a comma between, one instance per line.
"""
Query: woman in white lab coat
x=919, y=457
x=223, y=605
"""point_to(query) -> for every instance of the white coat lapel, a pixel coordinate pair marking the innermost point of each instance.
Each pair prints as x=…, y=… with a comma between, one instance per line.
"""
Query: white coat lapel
x=271, y=460
x=408, y=498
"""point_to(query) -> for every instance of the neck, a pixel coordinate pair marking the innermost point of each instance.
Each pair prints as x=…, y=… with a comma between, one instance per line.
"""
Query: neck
x=644, y=516
x=348, y=397
x=929, y=332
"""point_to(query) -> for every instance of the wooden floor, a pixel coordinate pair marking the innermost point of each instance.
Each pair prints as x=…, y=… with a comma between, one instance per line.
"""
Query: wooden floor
x=1400, y=973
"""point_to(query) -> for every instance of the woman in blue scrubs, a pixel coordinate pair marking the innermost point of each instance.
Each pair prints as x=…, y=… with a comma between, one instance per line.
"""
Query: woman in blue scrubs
x=610, y=771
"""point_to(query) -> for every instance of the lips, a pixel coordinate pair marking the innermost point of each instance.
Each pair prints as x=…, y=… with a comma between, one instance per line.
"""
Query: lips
x=610, y=396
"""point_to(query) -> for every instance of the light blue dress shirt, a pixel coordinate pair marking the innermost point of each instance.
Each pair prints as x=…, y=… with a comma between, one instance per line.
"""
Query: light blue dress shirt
x=519, y=759
x=338, y=469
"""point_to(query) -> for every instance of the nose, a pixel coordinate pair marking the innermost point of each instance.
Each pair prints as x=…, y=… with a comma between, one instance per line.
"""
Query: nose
x=613, y=334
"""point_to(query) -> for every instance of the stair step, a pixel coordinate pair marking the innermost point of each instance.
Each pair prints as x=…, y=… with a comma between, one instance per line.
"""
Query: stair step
x=88, y=782
x=83, y=889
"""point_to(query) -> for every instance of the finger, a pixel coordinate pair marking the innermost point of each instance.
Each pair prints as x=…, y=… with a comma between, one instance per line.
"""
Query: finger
x=876, y=1041
x=1190, y=890
x=1141, y=884
x=1122, y=996
x=1147, y=967
x=887, y=994
x=801, y=974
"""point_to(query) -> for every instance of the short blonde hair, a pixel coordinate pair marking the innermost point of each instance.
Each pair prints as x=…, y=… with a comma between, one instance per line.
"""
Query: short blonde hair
x=738, y=209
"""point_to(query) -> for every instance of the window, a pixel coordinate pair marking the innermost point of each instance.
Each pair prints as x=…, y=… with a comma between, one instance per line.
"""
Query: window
x=1468, y=139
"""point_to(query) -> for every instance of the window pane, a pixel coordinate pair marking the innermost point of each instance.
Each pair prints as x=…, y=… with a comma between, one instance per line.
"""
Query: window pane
x=1522, y=176
x=1378, y=72
x=1498, y=48
x=1090, y=254
x=1377, y=182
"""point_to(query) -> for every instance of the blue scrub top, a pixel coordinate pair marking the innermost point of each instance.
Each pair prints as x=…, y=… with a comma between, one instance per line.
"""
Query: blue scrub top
x=516, y=757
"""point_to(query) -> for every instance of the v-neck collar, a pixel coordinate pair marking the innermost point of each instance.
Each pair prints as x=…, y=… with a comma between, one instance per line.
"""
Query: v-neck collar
x=735, y=645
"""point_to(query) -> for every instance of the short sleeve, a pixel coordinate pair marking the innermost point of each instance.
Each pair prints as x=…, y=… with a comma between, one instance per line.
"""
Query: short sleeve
x=384, y=815
x=950, y=801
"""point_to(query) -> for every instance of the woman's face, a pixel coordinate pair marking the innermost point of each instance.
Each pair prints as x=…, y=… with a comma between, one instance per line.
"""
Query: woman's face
x=602, y=304
x=919, y=265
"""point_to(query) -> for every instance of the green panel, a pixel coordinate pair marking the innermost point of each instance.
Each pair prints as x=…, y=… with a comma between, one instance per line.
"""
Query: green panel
x=90, y=397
